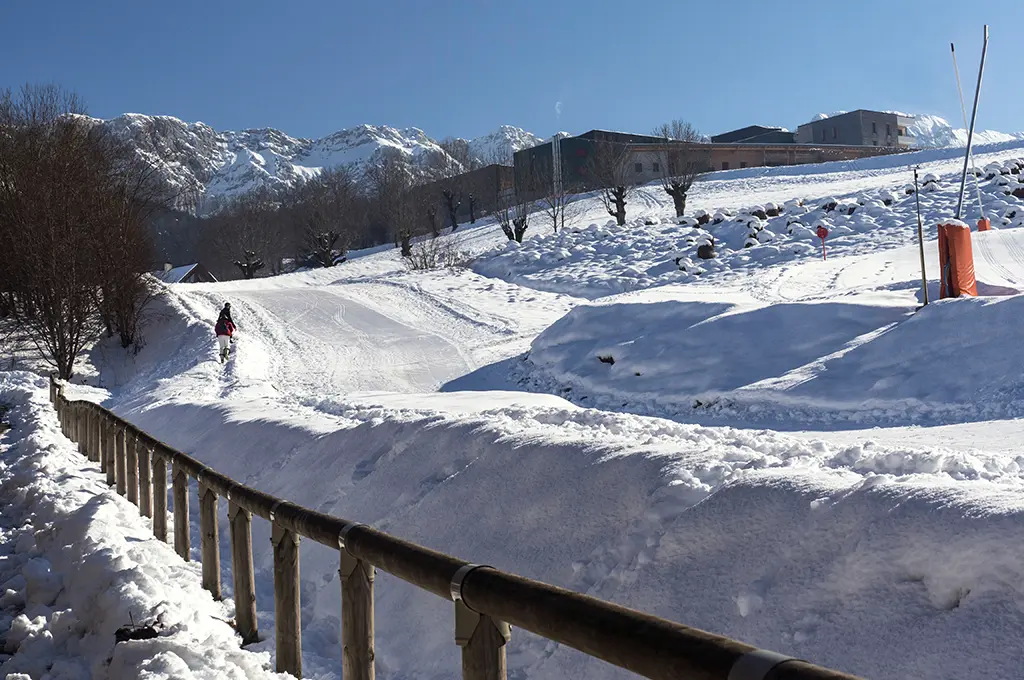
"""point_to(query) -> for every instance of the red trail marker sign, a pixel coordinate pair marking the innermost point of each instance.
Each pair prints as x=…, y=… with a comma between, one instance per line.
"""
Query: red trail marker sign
x=822, y=234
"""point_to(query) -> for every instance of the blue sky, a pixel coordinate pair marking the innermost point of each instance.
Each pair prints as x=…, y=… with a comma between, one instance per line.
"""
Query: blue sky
x=463, y=68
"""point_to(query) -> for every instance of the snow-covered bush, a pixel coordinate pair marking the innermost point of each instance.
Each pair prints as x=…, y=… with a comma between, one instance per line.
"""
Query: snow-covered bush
x=771, y=209
x=829, y=204
x=888, y=198
x=702, y=216
x=718, y=218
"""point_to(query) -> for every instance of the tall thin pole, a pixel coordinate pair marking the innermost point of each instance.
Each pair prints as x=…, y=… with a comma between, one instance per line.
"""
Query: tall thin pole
x=920, y=240
x=970, y=131
x=963, y=113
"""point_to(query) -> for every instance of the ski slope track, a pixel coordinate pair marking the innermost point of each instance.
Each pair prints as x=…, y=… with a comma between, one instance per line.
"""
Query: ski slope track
x=766, y=445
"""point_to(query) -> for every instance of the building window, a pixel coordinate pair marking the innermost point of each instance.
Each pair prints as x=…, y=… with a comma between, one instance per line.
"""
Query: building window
x=655, y=167
x=835, y=132
x=875, y=142
x=725, y=165
x=888, y=130
x=874, y=128
x=823, y=134
x=743, y=164
x=639, y=167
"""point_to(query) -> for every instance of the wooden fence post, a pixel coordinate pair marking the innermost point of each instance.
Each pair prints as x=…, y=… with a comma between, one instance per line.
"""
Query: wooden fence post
x=209, y=540
x=287, y=615
x=101, y=440
x=182, y=540
x=145, y=481
x=120, y=437
x=241, y=568
x=357, y=627
x=77, y=429
x=90, y=451
x=131, y=443
x=483, y=644
x=94, y=436
x=109, y=434
x=159, y=497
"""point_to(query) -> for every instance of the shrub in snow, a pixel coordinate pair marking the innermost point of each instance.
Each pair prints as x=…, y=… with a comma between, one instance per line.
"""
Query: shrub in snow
x=718, y=218
x=800, y=232
x=706, y=251
x=850, y=209
x=771, y=210
x=765, y=235
x=909, y=190
x=688, y=222
x=992, y=170
x=929, y=179
x=793, y=219
x=1005, y=181
x=702, y=217
x=888, y=198
x=1011, y=213
x=759, y=212
x=829, y=205
x=650, y=221
x=751, y=242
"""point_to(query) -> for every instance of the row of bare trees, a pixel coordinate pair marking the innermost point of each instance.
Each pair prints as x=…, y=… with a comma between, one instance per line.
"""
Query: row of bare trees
x=74, y=204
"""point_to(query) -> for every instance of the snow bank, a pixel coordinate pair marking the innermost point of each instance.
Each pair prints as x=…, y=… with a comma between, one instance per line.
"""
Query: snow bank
x=711, y=355
x=827, y=553
x=600, y=259
x=77, y=563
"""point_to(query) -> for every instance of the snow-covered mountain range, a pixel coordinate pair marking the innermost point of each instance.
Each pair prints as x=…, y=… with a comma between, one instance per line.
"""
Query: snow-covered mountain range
x=219, y=165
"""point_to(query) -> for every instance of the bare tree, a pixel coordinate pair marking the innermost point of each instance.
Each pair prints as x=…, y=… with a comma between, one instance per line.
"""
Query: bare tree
x=682, y=157
x=678, y=130
x=72, y=210
x=390, y=185
x=513, y=215
x=609, y=167
x=557, y=201
x=324, y=212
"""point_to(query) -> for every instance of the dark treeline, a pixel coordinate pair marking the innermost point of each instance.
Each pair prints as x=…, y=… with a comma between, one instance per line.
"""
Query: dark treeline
x=74, y=204
x=318, y=221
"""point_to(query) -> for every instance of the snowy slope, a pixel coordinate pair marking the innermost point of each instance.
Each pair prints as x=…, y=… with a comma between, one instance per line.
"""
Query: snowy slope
x=222, y=164
x=390, y=397
x=499, y=146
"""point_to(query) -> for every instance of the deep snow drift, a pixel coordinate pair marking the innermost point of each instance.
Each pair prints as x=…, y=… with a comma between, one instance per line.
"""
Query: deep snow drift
x=77, y=563
x=349, y=393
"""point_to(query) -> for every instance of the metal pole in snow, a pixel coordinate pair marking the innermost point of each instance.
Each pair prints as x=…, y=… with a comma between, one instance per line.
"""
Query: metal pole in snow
x=920, y=240
x=963, y=112
x=970, y=132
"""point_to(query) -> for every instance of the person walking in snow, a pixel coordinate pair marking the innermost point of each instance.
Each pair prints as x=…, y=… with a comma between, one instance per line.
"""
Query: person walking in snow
x=225, y=329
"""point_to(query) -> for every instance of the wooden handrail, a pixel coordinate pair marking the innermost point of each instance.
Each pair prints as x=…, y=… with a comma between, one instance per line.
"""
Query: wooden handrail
x=486, y=599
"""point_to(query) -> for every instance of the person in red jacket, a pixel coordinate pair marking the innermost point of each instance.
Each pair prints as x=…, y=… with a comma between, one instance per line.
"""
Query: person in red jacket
x=224, y=329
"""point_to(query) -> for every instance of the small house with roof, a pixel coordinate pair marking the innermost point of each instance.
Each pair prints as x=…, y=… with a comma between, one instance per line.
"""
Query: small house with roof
x=189, y=273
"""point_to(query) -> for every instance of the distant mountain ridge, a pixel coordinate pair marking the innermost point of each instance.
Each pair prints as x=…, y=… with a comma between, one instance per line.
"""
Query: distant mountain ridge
x=220, y=165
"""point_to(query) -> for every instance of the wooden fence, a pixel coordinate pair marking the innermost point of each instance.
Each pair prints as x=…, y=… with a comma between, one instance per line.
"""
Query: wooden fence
x=486, y=600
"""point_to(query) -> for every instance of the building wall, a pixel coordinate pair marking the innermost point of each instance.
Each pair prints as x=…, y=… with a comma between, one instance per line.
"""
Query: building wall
x=866, y=128
x=484, y=184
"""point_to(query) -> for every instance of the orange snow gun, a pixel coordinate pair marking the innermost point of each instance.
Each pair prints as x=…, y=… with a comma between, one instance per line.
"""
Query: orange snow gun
x=956, y=260
x=984, y=224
